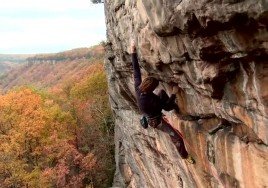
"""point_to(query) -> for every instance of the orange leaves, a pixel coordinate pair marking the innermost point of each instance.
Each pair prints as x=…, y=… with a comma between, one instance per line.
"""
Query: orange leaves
x=94, y=83
x=62, y=138
x=30, y=125
x=41, y=144
x=22, y=109
x=89, y=161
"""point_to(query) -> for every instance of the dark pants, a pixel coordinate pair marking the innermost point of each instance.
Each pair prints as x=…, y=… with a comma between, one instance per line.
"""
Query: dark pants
x=175, y=137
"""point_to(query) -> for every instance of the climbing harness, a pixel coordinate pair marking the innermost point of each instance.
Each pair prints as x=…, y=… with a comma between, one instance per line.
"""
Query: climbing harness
x=154, y=121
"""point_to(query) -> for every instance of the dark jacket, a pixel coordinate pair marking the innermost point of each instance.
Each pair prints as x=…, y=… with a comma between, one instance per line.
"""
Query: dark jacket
x=150, y=104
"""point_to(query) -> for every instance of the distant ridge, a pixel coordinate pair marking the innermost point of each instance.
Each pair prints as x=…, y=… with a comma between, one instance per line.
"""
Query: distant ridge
x=15, y=58
x=47, y=70
x=77, y=53
x=11, y=61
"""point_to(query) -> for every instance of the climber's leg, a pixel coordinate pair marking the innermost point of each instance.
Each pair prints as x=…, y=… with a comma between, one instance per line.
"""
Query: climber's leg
x=175, y=137
x=178, y=142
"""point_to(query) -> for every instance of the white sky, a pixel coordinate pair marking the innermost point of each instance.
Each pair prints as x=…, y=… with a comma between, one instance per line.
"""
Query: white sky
x=42, y=26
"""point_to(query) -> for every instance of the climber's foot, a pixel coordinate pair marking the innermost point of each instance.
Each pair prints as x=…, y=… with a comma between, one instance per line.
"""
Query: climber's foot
x=190, y=159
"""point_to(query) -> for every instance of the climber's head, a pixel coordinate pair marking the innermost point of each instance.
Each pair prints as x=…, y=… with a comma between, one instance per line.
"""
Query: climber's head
x=148, y=84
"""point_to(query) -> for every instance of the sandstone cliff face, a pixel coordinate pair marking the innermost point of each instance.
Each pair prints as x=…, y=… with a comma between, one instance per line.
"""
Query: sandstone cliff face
x=216, y=52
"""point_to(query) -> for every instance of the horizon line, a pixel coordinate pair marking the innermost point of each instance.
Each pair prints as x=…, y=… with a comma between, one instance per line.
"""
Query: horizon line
x=55, y=52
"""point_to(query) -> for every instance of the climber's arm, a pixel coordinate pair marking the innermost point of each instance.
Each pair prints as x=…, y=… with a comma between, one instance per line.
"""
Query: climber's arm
x=169, y=103
x=136, y=68
x=172, y=98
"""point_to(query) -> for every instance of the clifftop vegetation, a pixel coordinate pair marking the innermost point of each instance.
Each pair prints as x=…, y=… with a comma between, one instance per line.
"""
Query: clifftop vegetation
x=79, y=53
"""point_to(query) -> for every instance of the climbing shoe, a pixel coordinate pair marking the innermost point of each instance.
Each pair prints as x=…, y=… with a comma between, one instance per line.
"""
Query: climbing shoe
x=190, y=159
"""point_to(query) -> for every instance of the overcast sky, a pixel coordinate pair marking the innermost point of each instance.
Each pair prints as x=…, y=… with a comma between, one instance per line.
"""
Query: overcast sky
x=40, y=26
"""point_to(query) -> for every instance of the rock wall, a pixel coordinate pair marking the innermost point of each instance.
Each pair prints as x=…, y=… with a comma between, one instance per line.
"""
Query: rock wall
x=216, y=51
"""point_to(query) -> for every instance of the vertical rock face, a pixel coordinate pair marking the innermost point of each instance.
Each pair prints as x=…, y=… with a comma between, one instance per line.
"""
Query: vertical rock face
x=216, y=51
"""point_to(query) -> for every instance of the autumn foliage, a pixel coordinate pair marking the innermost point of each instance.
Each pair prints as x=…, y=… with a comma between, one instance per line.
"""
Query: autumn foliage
x=58, y=137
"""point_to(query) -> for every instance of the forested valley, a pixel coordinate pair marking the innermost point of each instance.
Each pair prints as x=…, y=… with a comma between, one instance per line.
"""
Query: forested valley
x=56, y=126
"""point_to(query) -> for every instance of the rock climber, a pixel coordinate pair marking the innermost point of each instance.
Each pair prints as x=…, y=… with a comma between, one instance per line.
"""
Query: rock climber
x=151, y=105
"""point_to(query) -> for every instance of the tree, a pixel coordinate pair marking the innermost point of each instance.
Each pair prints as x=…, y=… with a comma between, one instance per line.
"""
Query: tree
x=37, y=146
x=60, y=137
